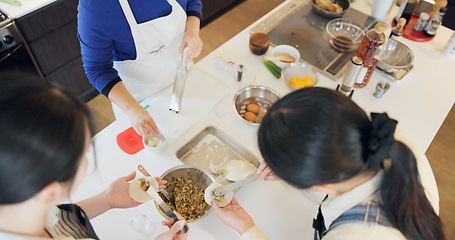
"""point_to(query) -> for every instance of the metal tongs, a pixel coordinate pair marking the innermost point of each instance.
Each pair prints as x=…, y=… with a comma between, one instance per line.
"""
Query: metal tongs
x=179, y=85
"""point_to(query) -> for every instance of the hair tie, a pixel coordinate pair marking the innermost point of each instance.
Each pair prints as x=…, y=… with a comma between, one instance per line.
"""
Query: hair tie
x=381, y=139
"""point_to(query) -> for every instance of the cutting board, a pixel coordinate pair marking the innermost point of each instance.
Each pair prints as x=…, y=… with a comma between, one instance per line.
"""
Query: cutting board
x=201, y=95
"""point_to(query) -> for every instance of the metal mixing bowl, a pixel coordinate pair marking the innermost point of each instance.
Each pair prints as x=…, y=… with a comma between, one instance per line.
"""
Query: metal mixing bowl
x=394, y=55
x=344, y=35
x=199, y=177
x=263, y=96
x=328, y=14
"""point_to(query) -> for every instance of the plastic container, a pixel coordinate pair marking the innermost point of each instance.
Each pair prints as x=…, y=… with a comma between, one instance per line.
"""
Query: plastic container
x=366, y=51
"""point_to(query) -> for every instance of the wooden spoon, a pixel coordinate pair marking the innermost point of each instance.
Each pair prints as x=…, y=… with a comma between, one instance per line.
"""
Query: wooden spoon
x=286, y=58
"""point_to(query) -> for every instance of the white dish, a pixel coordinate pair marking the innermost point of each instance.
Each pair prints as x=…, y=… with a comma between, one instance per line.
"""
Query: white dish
x=222, y=201
x=280, y=49
x=136, y=192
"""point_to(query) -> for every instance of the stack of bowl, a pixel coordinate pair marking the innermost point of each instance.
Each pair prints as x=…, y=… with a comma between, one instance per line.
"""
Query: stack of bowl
x=344, y=35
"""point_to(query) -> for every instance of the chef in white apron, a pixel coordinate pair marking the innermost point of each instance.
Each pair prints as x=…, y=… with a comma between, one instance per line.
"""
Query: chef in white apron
x=159, y=44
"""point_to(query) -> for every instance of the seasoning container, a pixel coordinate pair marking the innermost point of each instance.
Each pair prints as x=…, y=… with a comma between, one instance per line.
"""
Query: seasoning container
x=422, y=21
x=367, y=50
x=352, y=73
x=381, y=89
x=449, y=49
x=259, y=43
x=433, y=25
x=240, y=70
x=397, y=31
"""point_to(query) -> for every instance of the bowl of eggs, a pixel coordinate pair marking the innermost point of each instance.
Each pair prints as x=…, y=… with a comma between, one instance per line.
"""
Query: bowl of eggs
x=299, y=75
x=252, y=103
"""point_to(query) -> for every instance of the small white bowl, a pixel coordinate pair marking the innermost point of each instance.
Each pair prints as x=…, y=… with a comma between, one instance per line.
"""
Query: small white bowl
x=154, y=143
x=280, y=49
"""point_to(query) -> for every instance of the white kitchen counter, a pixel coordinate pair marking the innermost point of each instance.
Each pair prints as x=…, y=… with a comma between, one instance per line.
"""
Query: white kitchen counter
x=27, y=7
x=419, y=102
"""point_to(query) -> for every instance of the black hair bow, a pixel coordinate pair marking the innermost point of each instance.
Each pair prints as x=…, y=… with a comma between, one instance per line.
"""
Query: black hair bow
x=381, y=139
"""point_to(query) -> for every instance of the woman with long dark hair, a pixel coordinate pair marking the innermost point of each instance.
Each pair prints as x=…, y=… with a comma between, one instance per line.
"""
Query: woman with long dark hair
x=318, y=139
x=44, y=139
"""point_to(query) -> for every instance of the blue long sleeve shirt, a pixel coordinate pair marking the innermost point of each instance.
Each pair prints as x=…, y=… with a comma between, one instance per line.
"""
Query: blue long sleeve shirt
x=105, y=36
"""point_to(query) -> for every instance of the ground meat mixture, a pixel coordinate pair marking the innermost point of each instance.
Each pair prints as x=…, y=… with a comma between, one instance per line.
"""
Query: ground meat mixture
x=187, y=198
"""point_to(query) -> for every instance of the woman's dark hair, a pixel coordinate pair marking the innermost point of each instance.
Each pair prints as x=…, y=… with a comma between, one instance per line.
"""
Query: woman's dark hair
x=42, y=137
x=317, y=136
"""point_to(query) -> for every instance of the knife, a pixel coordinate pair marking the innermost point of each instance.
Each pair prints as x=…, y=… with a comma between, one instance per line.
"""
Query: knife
x=179, y=84
x=12, y=2
x=221, y=191
x=152, y=192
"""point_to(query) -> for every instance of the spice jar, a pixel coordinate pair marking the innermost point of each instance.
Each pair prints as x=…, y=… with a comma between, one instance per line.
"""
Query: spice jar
x=422, y=21
x=259, y=43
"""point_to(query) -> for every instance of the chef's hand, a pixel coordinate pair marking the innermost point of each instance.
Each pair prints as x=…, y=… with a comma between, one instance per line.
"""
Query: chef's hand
x=266, y=172
x=191, y=39
x=234, y=216
x=141, y=120
x=175, y=231
x=117, y=193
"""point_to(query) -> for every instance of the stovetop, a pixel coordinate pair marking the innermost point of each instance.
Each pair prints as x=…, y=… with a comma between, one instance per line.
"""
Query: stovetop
x=4, y=19
x=296, y=24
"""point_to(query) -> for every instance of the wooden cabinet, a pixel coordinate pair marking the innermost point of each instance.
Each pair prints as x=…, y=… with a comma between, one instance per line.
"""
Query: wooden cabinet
x=51, y=36
x=211, y=9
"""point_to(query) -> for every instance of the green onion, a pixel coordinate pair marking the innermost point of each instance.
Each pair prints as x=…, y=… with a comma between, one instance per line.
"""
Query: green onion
x=274, y=69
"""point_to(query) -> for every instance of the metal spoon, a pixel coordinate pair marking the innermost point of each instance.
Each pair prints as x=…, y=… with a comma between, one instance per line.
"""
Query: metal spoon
x=286, y=58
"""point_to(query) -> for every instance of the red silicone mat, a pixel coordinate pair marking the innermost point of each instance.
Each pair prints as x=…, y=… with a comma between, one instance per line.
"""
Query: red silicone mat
x=129, y=141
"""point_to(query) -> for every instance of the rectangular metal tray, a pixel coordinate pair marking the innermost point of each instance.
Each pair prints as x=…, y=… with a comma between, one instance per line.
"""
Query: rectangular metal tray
x=213, y=144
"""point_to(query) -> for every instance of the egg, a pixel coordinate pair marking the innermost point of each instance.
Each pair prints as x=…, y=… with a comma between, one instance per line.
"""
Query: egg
x=136, y=192
x=222, y=201
x=253, y=107
x=250, y=116
x=237, y=170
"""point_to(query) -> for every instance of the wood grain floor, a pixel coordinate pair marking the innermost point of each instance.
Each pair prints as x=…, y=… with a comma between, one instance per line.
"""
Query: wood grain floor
x=440, y=153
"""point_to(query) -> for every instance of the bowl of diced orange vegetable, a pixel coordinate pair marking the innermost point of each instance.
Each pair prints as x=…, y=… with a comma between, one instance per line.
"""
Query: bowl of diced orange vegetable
x=299, y=75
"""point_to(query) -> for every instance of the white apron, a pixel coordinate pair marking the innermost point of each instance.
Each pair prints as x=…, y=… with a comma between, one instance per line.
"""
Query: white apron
x=157, y=44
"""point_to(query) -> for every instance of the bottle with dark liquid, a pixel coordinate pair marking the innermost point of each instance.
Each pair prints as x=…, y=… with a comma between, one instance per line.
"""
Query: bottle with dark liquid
x=366, y=51
x=397, y=31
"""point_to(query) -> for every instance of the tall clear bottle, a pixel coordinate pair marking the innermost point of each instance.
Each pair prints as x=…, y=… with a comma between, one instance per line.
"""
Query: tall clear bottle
x=371, y=41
